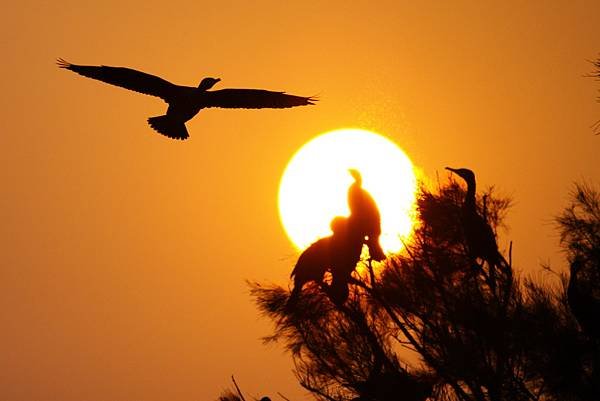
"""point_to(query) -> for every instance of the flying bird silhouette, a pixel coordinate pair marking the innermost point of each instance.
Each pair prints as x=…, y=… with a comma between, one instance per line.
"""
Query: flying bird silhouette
x=185, y=101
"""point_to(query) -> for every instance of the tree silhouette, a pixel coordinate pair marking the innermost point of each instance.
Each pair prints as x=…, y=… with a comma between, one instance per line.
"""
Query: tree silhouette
x=579, y=226
x=432, y=323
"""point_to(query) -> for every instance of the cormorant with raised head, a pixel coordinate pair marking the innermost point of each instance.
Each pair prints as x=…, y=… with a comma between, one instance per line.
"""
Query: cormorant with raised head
x=480, y=238
x=364, y=216
x=185, y=101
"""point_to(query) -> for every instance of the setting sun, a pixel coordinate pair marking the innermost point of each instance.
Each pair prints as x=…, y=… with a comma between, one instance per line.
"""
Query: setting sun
x=315, y=182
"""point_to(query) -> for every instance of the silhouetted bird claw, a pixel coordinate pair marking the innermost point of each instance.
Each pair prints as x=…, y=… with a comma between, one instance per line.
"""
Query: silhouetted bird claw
x=184, y=101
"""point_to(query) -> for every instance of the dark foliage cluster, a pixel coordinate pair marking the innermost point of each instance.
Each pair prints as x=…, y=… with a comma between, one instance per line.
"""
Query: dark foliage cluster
x=229, y=395
x=434, y=323
x=579, y=226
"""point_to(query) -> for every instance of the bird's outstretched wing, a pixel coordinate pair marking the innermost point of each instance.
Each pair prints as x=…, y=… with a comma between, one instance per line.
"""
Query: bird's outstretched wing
x=124, y=77
x=253, y=99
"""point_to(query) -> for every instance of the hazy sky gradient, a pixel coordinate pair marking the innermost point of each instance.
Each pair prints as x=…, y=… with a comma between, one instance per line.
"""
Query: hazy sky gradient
x=124, y=253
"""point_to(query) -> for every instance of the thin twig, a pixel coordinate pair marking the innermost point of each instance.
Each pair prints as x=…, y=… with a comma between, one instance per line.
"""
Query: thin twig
x=596, y=127
x=371, y=273
x=485, y=208
x=283, y=396
x=238, y=388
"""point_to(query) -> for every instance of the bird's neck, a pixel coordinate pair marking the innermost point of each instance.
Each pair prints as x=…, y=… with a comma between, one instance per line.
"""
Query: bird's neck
x=470, y=197
x=205, y=85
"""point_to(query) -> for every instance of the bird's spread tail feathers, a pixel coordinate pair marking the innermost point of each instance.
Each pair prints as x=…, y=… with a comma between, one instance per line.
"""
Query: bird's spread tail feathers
x=169, y=127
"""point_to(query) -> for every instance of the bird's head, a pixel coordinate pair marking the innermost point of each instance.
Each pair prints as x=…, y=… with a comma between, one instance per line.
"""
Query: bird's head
x=356, y=175
x=338, y=224
x=208, y=83
x=464, y=173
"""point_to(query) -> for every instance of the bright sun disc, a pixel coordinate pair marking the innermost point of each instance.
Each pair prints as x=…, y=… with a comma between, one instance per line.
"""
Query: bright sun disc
x=315, y=183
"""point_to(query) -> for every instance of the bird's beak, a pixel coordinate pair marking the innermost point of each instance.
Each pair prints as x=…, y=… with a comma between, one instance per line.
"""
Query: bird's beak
x=451, y=169
x=355, y=174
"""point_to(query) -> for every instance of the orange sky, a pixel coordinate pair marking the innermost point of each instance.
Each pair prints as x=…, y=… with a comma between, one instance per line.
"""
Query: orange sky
x=124, y=253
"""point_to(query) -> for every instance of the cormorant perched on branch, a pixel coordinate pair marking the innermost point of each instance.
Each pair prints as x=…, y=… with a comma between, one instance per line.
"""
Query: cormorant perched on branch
x=480, y=237
x=582, y=302
x=185, y=101
x=364, y=215
x=311, y=266
x=339, y=253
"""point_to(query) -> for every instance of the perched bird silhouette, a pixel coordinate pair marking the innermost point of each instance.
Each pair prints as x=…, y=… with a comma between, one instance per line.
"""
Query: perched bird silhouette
x=582, y=302
x=339, y=253
x=480, y=238
x=185, y=101
x=364, y=215
x=348, y=246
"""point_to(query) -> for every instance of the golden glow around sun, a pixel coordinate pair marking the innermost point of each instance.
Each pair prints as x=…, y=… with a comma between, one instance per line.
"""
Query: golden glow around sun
x=315, y=183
